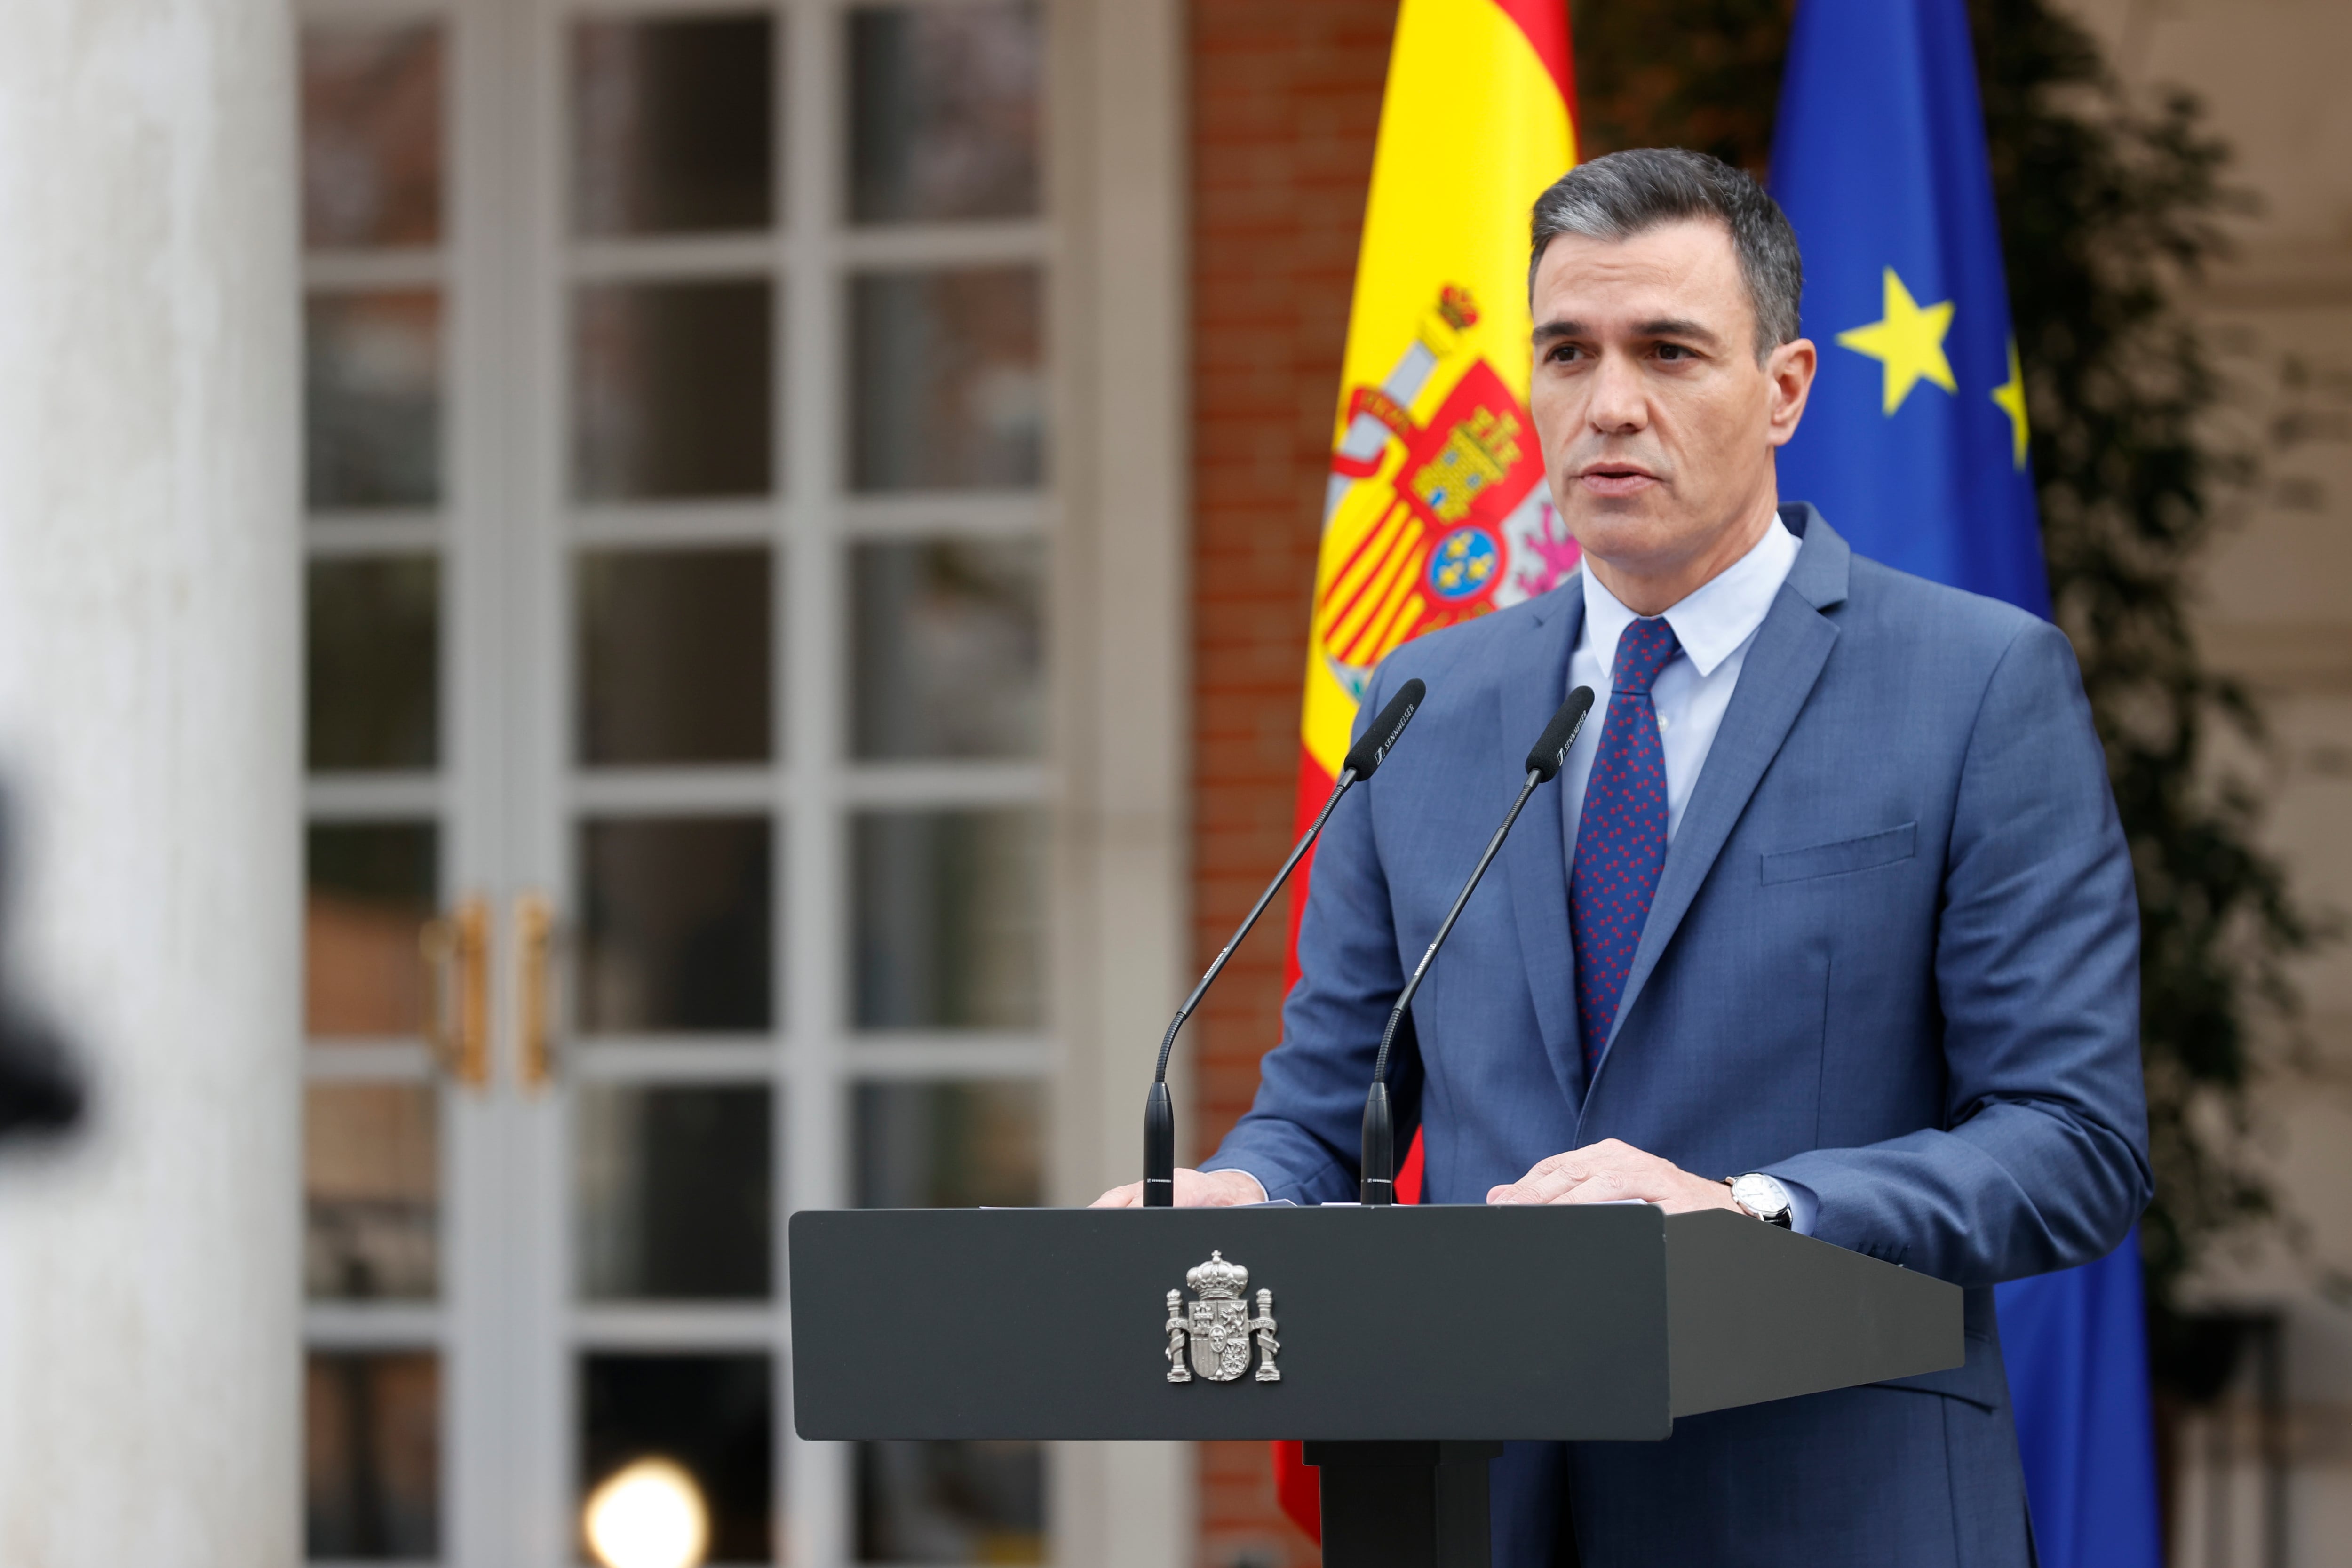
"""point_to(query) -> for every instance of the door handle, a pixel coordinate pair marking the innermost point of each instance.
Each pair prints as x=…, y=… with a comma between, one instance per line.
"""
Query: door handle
x=535, y=952
x=457, y=951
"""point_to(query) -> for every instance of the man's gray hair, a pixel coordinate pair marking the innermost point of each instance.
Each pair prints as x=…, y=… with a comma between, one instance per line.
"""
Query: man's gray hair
x=1629, y=192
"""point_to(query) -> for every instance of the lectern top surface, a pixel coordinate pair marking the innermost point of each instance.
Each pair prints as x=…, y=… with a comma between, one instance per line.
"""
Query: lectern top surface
x=1434, y=1323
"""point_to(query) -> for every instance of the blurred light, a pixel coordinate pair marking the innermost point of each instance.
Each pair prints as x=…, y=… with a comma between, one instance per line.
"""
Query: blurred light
x=648, y=1515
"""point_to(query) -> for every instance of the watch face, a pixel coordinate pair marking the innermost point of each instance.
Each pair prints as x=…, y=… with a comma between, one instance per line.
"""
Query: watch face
x=1759, y=1195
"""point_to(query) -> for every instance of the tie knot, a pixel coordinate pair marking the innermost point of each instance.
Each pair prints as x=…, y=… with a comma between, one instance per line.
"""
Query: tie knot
x=1642, y=649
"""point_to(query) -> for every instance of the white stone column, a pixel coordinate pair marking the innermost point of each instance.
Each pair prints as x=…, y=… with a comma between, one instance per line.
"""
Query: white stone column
x=150, y=673
x=1122, y=621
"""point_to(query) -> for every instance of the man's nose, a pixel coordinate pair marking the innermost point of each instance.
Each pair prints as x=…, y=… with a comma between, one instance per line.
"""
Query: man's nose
x=1619, y=401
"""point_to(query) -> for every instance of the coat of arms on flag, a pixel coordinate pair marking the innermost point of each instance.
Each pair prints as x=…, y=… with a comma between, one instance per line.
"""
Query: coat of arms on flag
x=1431, y=524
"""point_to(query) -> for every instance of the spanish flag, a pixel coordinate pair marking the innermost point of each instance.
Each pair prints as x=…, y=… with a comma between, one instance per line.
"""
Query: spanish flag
x=1436, y=509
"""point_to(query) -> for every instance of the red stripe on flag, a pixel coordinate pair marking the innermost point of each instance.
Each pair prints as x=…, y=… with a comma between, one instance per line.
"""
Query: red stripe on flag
x=1408, y=1176
x=1298, y=1489
x=1545, y=22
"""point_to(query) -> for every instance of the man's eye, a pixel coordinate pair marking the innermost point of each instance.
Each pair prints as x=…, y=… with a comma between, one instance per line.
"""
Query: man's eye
x=1672, y=350
x=1562, y=354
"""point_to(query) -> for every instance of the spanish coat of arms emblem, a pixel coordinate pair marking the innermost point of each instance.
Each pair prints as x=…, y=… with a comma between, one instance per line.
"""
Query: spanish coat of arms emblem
x=1214, y=1332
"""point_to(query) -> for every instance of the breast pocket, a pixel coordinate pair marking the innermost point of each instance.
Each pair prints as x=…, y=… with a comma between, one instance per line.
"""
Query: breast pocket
x=1844, y=854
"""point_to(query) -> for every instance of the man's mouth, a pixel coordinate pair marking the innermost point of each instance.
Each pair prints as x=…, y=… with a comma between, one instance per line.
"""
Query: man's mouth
x=1615, y=478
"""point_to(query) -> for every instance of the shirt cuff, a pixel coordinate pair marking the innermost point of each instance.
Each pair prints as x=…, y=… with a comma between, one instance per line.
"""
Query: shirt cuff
x=1804, y=1205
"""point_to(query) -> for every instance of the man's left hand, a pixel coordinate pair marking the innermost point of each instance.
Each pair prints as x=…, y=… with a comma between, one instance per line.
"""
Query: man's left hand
x=1609, y=1172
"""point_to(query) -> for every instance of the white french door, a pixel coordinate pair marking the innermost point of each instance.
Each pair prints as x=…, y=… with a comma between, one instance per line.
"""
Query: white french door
x=681, y=491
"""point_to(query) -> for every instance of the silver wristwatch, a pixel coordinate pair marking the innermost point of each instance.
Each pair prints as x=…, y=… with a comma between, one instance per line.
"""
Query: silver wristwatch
x=1762, y=1197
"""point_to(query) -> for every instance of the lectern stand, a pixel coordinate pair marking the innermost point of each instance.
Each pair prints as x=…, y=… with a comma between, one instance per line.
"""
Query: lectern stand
x=1407, y=1342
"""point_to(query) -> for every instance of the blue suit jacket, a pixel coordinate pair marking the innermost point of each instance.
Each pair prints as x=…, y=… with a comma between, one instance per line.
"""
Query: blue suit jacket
x=1893, y=955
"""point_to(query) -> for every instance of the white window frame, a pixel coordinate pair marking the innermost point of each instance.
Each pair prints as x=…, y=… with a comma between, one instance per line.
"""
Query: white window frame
x=1115, y=516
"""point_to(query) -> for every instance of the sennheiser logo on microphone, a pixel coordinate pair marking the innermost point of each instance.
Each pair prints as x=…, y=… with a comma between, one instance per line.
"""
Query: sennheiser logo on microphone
x=1380, y=736
x=1381, y=755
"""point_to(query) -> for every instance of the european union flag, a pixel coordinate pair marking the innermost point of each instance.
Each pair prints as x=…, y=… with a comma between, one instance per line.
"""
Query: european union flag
x=1914, y=443
x=1913, y=446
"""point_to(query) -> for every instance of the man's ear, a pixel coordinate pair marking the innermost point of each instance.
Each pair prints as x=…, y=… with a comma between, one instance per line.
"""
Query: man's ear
x=1790, y=369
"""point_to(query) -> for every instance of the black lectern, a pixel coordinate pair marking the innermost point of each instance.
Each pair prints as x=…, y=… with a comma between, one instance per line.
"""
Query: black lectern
x=1404, y=1343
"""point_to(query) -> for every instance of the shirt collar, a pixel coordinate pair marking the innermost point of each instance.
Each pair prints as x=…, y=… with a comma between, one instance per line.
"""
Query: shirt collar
x=1714, y=618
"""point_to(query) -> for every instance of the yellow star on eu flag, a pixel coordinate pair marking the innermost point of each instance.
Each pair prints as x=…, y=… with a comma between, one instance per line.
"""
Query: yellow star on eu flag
x=1908, y=341
x=2010, y=395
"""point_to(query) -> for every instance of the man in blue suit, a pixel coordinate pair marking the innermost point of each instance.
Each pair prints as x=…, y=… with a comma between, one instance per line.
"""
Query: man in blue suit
x=1833, y=921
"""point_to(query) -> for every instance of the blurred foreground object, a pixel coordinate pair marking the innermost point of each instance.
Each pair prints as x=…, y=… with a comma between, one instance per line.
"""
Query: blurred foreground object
x=150, y=679
x=41, y=1089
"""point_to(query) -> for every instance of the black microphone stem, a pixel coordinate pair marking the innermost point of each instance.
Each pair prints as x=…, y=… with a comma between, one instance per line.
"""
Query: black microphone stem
x=1159, y=1109
x=1377, y=1184
x=1297, y=851
x=1363, y=759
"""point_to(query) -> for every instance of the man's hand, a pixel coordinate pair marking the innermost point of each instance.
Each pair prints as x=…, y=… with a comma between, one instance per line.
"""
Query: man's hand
x=1605, y=1173
x=1194, y=1189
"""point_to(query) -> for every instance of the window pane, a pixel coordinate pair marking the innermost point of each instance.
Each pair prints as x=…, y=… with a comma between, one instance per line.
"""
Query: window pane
x=948, y=385
x=948, y=1145
x=371, y=1191
x=371, y=887
x=372, y=399
x=950, y=1502
x=673, y=656
x=671, y=399
x=713, y=1415
x=372, y=1464
x=950, y=648
x=672, y=124
x=949, y=924
x=373, y=637
x=674, y=1186
x=371, y=135
x=943, y=111
x=676, y=925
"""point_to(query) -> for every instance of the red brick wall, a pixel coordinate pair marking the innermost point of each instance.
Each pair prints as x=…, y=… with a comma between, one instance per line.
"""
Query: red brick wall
x=1285, y=102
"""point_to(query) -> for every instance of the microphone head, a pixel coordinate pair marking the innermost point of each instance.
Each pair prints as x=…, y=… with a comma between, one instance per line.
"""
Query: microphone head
x=1552, y=748
x=1381, y=738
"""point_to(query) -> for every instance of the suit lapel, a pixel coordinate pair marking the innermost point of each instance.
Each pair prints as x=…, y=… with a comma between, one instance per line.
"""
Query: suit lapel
x=1533, y=858
x=1781, y=668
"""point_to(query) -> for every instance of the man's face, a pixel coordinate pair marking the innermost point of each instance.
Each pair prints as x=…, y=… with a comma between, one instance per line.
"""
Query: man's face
x=1658, y=425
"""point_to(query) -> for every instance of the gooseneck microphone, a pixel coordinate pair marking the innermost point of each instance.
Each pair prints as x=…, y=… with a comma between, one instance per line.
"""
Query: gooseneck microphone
x=1368, y=752
x=1377, y=1185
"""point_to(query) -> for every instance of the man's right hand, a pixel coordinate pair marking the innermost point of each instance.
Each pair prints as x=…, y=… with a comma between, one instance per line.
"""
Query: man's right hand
x=1194, y=1189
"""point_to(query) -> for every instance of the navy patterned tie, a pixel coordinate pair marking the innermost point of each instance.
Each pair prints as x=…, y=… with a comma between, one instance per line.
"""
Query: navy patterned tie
x=1620, y=839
